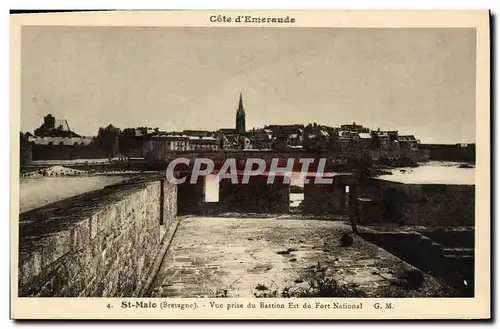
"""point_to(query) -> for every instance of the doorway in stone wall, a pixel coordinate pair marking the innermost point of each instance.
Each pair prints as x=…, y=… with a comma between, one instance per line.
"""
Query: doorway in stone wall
x=296, y=193
x=211, y=189
x=345, y=197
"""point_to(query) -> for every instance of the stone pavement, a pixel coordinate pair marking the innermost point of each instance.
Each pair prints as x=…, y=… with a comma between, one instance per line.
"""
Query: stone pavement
x=241, y=257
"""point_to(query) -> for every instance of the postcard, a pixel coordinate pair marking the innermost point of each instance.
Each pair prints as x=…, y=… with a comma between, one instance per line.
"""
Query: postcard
x=250, y=165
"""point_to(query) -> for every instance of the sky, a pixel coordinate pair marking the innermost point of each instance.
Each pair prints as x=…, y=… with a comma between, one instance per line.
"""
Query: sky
x=416, y=81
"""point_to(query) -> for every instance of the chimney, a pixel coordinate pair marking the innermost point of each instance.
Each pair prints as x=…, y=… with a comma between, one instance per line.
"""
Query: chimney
x=49, y=121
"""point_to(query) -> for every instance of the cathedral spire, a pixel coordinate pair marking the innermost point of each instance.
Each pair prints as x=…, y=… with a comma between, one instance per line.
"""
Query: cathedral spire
x=240, y=106
x=240, y=117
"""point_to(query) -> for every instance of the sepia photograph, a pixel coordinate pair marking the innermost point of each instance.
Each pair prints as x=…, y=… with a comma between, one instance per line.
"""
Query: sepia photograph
x=298, y=167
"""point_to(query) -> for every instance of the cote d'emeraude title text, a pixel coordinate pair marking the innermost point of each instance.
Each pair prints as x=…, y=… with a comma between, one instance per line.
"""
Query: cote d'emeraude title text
x=251, y=19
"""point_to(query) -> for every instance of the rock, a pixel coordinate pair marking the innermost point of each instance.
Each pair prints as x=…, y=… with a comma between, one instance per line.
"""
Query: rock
x=346, y=240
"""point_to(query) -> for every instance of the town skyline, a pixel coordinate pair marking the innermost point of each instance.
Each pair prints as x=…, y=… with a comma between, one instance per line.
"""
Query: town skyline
x=249, y=129
x=67, y=125
x=416, y=81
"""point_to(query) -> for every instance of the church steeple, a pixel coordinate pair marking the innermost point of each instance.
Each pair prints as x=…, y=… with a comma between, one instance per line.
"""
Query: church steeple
x=240, y=117
x=240, y=106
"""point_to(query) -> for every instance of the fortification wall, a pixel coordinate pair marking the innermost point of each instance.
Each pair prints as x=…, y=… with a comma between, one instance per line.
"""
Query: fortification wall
x=100, y=244
x=328, y=198
x=442, y=152
x=25, y=154
x=66, y=152
x=255, y=197
x=416, y=204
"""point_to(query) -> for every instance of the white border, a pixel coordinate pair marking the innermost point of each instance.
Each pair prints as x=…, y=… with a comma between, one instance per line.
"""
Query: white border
x=149, y=4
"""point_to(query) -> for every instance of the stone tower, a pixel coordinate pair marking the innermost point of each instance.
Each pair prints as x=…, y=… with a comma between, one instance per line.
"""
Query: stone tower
x=240, y=117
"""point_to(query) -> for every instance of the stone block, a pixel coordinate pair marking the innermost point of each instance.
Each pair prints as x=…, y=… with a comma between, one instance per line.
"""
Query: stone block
x=81, y=234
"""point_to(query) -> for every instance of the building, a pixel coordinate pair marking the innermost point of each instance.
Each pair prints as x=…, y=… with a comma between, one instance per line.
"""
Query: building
x=228, y=138
x=130, y=142
x=407, y=142
x=207, y=143
x=203, y=140
x=393, y=139
x=234, y=138
x=158, y=146
x=145, y=131
x=261, y=139
x=281, y=135
x=286, y=130
x=175, y=142
x=52, y=127
x=315, y=138
x=354, y=128
x=198, y=133
x=383, y=140
x=333, y=143
x=29, y=137
x=54, y=140
x=240, y=117
x=295, y=141
x=344, y=141
x=387, y=139
x=63, y=141
x=364, y=140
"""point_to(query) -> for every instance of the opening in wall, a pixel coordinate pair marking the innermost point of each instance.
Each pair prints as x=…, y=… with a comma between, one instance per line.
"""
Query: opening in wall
x=211, y=188
x=296, y=193
x=346, y=196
